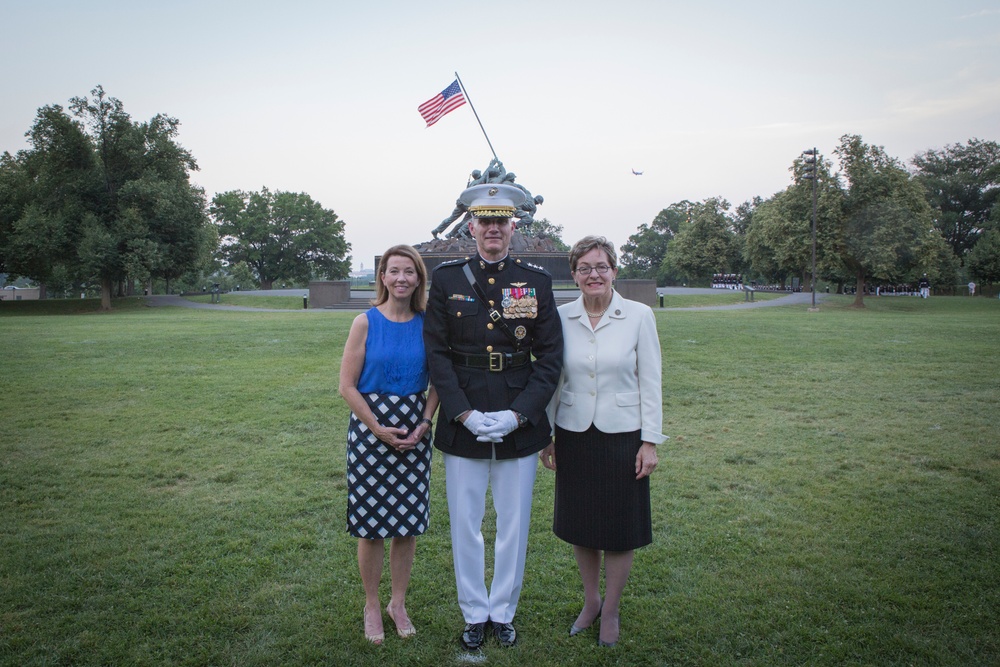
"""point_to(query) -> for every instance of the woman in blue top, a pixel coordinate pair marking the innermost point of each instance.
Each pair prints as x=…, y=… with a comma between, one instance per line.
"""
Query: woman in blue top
x=383, y=377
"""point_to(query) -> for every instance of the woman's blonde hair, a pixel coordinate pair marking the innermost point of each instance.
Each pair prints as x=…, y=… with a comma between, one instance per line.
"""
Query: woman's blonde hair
x=588, y=243
x=418, y=300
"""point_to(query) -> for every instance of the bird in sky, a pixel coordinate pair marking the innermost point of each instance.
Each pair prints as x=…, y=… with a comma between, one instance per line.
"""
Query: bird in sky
x=637, y=173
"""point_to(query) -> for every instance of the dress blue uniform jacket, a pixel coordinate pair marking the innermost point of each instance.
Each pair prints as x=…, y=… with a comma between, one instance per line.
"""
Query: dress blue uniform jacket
x=457, y=321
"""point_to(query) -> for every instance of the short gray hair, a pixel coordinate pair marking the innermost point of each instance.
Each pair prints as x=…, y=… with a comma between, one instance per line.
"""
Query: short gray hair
x=588, y=243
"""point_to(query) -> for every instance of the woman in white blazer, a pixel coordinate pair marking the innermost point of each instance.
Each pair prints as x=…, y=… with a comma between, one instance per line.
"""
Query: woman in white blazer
x=608, y=421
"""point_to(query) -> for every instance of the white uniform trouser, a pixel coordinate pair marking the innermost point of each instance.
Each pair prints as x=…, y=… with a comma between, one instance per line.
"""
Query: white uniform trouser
x=512, y=482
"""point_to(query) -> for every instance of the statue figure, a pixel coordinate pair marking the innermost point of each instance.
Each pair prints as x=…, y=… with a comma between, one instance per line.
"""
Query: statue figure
x=461, y=230
x=526, y=211
x=494, y=173
x=455, y=215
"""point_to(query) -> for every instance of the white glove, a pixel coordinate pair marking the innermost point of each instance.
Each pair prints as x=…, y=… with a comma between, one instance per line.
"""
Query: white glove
x=476, y=422
x=504, y=422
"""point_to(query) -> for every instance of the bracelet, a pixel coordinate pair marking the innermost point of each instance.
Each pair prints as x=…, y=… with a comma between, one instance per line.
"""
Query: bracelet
x=427, y=421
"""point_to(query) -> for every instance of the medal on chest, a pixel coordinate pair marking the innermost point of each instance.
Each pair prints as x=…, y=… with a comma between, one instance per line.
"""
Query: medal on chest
x=519, y=303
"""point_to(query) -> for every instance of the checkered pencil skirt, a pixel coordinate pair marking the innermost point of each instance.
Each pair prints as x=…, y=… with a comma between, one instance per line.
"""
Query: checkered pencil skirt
x=388, y=492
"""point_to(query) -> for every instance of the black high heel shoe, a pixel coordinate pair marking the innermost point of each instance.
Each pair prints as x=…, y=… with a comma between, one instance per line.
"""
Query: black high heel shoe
x=601, y=642
x=574, y=631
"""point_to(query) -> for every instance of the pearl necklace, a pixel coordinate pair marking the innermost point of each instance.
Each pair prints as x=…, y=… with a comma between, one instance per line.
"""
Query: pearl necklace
x=597, y=315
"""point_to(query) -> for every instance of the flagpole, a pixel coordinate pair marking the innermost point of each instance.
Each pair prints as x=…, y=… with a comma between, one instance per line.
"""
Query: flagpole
x=459, y=79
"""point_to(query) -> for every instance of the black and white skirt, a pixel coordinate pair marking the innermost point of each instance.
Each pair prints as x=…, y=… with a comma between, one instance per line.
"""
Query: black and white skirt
x=388, y=492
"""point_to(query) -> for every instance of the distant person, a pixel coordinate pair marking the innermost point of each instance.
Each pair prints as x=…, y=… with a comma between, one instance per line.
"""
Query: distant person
x=383, y=377
x=972, y=288
x=608, y=422
x=925, y=287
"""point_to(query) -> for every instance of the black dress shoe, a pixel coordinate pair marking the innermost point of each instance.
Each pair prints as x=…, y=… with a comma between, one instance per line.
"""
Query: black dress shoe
x=472, y=636
x=505, y=633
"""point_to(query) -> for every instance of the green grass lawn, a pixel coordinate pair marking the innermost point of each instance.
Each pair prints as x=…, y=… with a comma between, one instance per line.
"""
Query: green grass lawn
x=172, y=492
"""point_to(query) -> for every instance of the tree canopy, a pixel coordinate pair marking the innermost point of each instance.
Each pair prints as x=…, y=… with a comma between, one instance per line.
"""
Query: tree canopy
x=984, y=259
x=642, y=255
x=280, y=236
x=779, y=237
x=886, y=230
x=543, y=229
x=706, y=245
x=962, y=185
x=98, y=197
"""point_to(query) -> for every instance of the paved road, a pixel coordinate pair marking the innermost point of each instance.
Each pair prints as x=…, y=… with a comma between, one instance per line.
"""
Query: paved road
x=799, y=298
x=795, y=298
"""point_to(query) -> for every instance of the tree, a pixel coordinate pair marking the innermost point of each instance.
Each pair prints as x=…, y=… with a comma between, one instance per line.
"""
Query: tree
x=886, y=231
x=46, y=192
x=984, y=258
x=706, y=246
x=743, y=215
x=280, y=236
x=962, y=183
x=177, y=229
x=642, y=255
x=779, y=238
x=775, y=242
x=543, y=229
x=100, y=198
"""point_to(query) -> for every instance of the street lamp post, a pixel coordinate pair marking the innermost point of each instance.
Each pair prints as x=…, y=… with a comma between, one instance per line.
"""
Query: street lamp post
x=810, y=158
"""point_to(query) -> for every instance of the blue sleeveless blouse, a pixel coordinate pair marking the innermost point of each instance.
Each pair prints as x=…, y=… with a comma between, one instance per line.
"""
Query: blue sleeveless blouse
x=395, y=363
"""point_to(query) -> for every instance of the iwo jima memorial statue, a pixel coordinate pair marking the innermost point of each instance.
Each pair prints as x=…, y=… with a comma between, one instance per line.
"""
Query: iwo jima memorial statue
x=453, y=241
x=451, y=238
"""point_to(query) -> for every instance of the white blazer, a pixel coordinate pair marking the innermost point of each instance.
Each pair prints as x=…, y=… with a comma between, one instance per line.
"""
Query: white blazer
x=612, y=374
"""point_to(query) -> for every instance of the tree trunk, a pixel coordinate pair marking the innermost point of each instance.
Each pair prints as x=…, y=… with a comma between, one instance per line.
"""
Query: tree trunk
x=106, y=287
x=266, y=284
x=859, y=294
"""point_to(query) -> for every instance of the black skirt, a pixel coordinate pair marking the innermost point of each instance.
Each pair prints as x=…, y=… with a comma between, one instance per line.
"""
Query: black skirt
x=599, y=502
x=388, y=492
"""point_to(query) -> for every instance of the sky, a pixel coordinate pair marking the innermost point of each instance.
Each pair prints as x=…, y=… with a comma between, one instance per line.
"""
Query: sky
x=708, y=99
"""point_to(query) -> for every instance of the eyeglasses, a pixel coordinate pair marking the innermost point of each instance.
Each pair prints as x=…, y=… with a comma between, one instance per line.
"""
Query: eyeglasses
x=601, y=269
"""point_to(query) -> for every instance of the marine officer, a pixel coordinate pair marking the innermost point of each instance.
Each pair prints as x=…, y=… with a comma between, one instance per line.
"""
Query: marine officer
x=494, y=347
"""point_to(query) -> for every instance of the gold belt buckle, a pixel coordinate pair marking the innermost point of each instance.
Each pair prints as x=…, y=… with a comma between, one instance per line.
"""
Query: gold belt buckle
x=496, y=361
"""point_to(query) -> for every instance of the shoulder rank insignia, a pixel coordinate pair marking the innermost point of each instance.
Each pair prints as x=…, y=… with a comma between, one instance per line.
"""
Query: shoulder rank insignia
x=452, y=262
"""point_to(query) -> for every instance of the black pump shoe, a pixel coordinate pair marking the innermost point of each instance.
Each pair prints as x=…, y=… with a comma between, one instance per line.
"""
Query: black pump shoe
x=574, y=631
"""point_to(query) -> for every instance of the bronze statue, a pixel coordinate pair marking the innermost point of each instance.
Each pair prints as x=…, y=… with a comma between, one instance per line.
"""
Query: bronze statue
x=494, y=173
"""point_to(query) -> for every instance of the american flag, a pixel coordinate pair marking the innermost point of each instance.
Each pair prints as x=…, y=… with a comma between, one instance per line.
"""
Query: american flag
x=447, y=100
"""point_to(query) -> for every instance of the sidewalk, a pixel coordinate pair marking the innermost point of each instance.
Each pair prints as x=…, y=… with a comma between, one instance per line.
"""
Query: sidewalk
x=793, y=299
